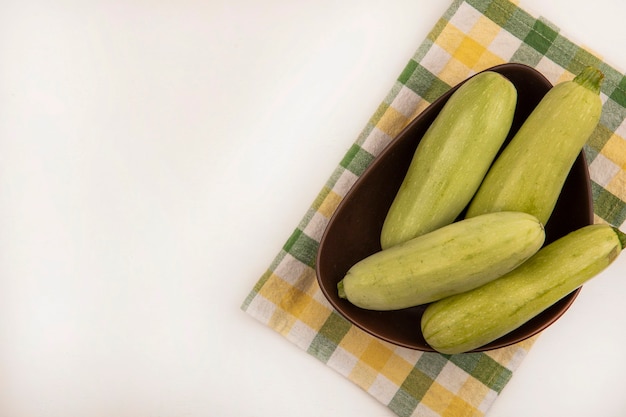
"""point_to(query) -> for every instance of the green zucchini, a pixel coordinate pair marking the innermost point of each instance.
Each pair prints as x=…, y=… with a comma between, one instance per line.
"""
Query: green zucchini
x=449, y=260
x=464, y=322
x=452, y=158
x=530, y=172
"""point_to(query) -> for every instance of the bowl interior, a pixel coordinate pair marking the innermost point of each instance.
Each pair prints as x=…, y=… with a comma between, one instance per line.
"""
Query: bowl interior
x=353, y=232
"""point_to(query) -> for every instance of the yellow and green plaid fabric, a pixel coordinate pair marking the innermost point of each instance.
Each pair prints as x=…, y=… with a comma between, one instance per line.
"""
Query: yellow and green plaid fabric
x=472, y=35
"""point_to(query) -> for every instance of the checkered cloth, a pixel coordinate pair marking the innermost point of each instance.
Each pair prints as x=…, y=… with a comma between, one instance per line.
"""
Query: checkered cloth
x=472, y=35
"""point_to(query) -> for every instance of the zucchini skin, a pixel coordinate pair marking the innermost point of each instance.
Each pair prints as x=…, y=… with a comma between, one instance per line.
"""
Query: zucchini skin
x=447, y=261
x=452, y=158
x=531, y=170
x=464, y=322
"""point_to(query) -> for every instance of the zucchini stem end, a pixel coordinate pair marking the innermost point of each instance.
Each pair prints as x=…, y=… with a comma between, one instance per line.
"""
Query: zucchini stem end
x=341, y=290
x=590, y=78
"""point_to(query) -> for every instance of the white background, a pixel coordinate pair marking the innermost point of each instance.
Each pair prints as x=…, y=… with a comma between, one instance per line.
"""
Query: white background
x=154, y=157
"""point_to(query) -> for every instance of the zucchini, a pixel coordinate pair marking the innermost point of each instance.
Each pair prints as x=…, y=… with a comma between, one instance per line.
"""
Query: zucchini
x=463, y=322
x=449, y=260
x=452, y=158
x=530, y=172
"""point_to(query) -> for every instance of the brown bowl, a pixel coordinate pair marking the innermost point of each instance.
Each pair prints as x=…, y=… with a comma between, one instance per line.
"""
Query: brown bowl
x=353, y=232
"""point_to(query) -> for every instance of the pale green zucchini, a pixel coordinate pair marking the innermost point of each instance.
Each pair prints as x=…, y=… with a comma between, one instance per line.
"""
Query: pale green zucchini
x=464, y=322
x=452, y=158
x=530, y=172
x=449, y=260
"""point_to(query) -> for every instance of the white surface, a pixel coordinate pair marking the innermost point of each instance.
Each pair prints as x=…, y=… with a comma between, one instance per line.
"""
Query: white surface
x=143, y=145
